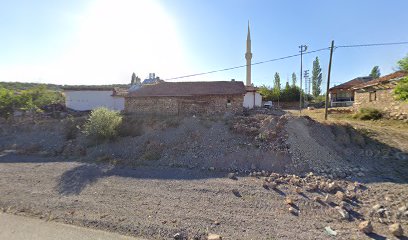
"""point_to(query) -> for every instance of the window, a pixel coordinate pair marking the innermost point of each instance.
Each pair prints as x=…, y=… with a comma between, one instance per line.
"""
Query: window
x=373, y=96
x=228, y=102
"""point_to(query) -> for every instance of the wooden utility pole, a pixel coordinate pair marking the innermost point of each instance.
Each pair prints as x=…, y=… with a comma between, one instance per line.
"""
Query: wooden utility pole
x=328, y=80
x=303, y=48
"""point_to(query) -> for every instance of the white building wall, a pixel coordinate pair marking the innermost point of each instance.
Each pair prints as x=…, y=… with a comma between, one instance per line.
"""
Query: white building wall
x=252, y=99
x=87, y=100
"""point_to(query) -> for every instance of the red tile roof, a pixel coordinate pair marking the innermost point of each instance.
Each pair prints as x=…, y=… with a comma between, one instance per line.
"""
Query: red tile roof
x=179, y=89
x=383, y=79
x=348, y=85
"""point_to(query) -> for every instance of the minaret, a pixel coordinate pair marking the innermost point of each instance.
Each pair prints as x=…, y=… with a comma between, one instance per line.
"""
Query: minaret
x=248, y=57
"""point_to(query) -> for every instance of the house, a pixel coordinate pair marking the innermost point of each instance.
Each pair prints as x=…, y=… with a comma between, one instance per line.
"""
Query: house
x=86, y=98
x=343, y=95
x=378, y=93
x=187, y=98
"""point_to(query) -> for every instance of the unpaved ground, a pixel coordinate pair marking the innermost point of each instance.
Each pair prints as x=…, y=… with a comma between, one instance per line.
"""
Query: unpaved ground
x=169, y=177
x=157, y=203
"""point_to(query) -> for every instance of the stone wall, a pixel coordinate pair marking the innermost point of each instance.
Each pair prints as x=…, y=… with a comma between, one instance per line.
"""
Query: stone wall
x=383, y=100
x=198, y=105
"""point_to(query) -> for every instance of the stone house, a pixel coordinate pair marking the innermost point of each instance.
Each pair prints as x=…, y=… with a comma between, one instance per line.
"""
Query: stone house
x=187, y=98
x=343, y=95
x=378, y=93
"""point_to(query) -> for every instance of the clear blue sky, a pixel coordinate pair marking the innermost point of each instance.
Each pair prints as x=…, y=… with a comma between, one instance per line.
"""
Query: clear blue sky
x=102, y=41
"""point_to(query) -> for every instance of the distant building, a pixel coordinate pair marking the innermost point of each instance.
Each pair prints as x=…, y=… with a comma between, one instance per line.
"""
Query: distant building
x=378, y=93
x=152, y=79
x=343, y=95
x=187, y=98
x=252, y=98
x=86, y=98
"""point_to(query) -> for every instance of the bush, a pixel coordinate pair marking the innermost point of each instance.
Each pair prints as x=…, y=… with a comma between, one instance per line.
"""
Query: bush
x=103, y=124
x=368, y=114
x=401, y=90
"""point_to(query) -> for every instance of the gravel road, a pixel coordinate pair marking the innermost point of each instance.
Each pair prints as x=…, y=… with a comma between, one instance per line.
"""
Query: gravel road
x=156, y=203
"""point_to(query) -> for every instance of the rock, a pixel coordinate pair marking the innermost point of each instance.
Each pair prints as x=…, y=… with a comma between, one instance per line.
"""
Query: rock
x=265, y=185
x=340, y=195
x=360, y=174
x=211, y=168
x=293, y=210
x=212, y=236
x=344, y=214
x=377, y=207
x=232, y=176
x=178, y=236
x=331, y=187
x=345, y=206
x=288, y=201
x=236, y=193
x=298, y=190
x=396, y=230
x=365, y=227
x=330, y=231
x=317, y=199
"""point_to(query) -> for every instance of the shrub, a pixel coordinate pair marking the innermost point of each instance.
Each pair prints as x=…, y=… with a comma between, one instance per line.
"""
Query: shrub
x=368, y=114
x=103, y=124
x=401, y=90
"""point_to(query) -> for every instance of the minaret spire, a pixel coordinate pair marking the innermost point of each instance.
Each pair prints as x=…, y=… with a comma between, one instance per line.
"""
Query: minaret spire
x=248, y=57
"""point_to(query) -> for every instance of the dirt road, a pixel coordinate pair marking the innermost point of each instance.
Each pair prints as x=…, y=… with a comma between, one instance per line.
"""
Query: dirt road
x=157, y=203
x=21, y=228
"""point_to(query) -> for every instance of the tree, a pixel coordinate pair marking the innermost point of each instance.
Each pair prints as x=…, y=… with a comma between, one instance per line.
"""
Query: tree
x=276, y=83
x=133, y=81
x=403, y=64
x=375, y=72
x=316, y=78
x=401, y=90
x=293, y=79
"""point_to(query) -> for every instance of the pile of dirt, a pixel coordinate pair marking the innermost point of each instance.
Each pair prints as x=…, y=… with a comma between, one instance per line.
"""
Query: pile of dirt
x=251, y=142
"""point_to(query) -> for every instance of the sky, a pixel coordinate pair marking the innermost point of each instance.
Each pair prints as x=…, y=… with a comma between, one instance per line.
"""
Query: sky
x=104, y=41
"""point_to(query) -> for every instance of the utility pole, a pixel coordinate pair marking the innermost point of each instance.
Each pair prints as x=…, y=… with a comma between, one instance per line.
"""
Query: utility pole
x=306, y=77
x=328, y=80
x=303, y=49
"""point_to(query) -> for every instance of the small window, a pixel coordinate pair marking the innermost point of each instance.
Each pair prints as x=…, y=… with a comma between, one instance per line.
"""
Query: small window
x=228, y=102
x=373, y=96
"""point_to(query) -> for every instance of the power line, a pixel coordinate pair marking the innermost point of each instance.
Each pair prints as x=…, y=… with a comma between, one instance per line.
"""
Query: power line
x=371, y=45
x=241, y=66
x=286, y=57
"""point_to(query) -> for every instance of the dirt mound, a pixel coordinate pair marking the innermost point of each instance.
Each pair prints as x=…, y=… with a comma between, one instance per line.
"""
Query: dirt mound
x=254, y=142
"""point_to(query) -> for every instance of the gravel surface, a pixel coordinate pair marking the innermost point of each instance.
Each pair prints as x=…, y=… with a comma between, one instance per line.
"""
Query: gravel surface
x=157, y=203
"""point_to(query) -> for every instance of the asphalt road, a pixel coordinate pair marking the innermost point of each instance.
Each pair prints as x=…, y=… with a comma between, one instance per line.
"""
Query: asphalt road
x=14, y=227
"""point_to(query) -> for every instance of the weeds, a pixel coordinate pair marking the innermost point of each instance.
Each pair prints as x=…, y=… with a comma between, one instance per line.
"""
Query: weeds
x=368, y=114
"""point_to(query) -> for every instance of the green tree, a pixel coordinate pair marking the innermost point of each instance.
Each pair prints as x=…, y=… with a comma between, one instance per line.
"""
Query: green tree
x=316, y=78
x=375, y=72
x=133, y=81
x=7, y=101
x=293, y=79
x=403, y=64
x=276, y=83
x=401, y=90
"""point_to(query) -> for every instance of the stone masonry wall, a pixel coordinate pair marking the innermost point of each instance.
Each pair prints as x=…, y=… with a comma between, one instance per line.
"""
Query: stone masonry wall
x=200, y=105
x=384, y=102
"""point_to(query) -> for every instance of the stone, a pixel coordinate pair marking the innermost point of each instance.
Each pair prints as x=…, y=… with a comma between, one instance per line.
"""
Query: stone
x=377, y=207
x=212, y=236
x=232, y=176
x=396, y=230
x=298, y=190
x=211, y=168
x=343, y=213
x=365, y=227
x=340, y=195
x=293, y=210
x=317, y=199
x=288, y=201
x=331, y=187
x=360, y=174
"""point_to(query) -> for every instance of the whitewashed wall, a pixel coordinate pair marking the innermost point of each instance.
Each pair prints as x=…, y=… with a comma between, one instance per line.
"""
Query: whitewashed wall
x=249, y=100
x=88, y=100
